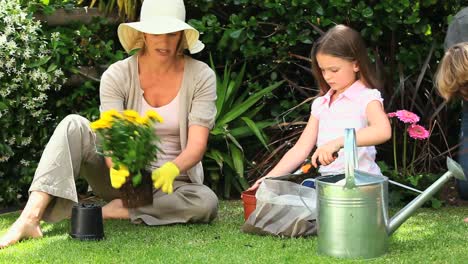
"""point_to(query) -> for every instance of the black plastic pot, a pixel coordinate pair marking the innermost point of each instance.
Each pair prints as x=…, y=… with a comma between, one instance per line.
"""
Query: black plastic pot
x=86, y=222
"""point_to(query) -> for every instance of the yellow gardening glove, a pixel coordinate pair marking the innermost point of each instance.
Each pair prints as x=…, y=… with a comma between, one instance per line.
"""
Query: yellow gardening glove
x=118, y=177
x=164, y=176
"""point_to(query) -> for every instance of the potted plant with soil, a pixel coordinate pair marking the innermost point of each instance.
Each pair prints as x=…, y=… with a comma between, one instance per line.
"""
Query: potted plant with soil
x=131, y=142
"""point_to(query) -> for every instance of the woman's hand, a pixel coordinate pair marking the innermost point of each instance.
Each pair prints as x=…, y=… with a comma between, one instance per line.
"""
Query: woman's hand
x=118, y=177
x=326, y=153
x=164, y=177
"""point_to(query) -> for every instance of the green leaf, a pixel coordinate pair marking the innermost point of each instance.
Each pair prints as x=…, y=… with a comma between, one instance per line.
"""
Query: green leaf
x=367, y=12
x=251, y=114
x=216, y=156
x=233, y=88
x=245, y=131
x=251, y=124
x=221, y=88
x=237, y=160
x=240, y=109
x=319, y=10
x=228, y=160
x=227, y=184
x=136, y=179
x=236, y=34
x=52, y=67
x=217, y=131
x=436, y=203
x=237, y=182
x=40, y=62
x=234, y=140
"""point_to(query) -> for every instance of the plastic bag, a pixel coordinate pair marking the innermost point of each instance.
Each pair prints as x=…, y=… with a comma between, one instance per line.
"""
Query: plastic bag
x=280, y=211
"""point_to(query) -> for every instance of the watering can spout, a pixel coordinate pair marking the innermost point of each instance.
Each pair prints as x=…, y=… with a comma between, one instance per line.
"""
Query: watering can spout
x=454, y=170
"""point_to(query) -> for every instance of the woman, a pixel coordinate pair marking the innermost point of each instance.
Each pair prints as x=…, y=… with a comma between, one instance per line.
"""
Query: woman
x=159, y=77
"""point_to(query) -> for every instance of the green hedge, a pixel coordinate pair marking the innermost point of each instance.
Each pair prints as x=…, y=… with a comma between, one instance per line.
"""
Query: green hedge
x=59, y=52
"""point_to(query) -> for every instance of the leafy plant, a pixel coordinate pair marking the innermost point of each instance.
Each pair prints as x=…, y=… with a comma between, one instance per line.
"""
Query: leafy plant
x=129, y=140
x=29, y=75
x=235, y=121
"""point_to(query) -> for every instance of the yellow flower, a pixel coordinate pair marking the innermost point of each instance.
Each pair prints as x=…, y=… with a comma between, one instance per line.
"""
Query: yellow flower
x=154, y=116
x=100, y=124
x=142, y=120
x=110, y=114
x=131, y=115
x=118, y=177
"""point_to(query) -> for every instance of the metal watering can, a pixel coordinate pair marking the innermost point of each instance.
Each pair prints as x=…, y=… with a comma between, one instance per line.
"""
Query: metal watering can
x=353, y=218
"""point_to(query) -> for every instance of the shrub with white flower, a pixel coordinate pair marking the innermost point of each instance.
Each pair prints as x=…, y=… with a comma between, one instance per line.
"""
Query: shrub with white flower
x=27, y=77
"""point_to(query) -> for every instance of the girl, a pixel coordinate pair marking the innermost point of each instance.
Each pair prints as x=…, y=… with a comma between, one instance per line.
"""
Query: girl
x=452, y=82
x=344, y=73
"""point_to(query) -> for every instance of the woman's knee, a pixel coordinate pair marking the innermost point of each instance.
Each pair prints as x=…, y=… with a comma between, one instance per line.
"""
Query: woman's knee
x=207, y=208
x=76, y=128
x=74, y=122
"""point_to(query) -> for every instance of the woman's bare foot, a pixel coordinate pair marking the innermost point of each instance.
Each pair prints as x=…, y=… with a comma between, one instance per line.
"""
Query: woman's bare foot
x=21, y=229
x=466, y=220
x=115, y=210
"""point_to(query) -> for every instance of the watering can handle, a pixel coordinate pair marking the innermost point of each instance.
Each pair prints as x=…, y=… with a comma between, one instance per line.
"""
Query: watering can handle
x=351, y=162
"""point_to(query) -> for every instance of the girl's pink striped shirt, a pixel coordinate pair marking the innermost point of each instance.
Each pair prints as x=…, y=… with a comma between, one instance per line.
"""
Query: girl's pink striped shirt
x=347, y=111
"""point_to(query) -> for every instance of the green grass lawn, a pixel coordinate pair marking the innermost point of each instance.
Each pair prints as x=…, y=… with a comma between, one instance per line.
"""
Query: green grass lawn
x=430, y=236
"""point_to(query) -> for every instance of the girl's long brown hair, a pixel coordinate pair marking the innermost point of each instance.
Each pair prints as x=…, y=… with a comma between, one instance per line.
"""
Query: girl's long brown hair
x=346, y=43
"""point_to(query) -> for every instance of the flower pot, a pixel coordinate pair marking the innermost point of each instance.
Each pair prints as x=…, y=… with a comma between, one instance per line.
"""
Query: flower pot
x=250, y=202
x=137, y=196
x=86, y=222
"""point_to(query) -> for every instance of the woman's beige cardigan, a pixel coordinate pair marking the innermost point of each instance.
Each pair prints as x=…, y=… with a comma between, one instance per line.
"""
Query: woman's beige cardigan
x=120, y=89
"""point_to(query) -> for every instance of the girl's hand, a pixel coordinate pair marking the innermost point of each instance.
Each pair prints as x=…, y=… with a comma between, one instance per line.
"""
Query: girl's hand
x=326, y=153
x=256, y=184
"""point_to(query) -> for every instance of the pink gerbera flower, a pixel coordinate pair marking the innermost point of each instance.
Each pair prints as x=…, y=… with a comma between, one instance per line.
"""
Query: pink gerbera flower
x=418, y=132
x=392, y=114
x=407, y=116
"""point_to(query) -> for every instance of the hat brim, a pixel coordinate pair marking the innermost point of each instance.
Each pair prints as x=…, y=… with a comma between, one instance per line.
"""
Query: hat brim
x=131, y=34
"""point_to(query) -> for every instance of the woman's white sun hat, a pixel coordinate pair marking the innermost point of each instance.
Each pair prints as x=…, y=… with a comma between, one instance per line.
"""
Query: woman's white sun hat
x=159, y=17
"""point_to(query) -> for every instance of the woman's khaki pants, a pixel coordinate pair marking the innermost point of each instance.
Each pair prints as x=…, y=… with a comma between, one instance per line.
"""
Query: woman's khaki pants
x=71, y=153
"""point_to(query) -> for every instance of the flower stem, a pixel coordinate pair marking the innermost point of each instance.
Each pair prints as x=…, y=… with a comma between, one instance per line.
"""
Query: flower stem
x=395, y=163
x=405, y=137
x=414, y=157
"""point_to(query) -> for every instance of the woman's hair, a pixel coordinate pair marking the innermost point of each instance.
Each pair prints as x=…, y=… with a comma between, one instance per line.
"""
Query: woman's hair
x=452, y=74
x=345, y=43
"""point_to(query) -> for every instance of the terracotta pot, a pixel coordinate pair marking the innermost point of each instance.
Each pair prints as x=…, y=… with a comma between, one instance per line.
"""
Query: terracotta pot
x=141, y=195
x=249, y=200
